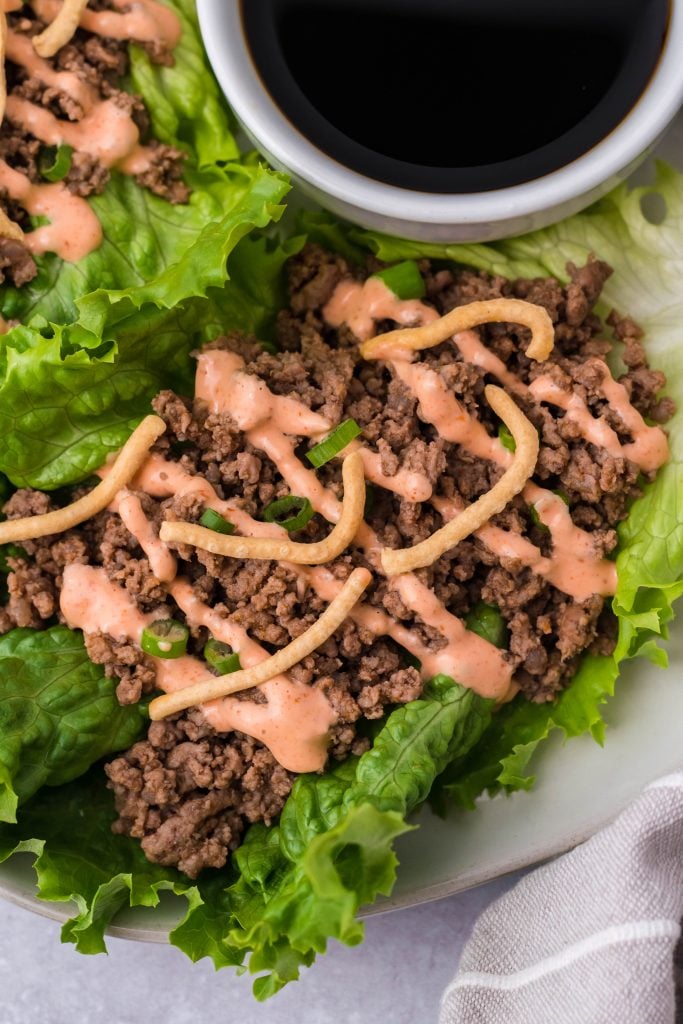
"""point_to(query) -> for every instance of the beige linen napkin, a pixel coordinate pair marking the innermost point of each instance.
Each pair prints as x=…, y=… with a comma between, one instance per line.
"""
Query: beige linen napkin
x=588, y=938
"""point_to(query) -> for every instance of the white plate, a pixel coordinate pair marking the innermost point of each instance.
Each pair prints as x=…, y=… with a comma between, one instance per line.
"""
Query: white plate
x=580, y=788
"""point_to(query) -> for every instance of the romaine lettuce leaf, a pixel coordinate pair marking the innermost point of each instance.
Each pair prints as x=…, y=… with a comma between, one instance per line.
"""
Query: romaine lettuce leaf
x=292, y=887
x=58, y=714
x=69, y=397
x=154, y=251
x=79, y=859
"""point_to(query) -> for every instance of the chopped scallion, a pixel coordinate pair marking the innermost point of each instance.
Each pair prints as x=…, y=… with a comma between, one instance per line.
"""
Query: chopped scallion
x=333, y=443
x=221, y=657
x=536, y=519
x=278, y=512
x=214, y=521
x=403, y=279
x=165, y=638
x=486, y=621
x=506, y=438
x=55, y=162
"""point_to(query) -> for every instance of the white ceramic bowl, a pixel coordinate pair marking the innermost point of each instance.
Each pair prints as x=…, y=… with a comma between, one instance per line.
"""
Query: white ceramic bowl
x=437, y=217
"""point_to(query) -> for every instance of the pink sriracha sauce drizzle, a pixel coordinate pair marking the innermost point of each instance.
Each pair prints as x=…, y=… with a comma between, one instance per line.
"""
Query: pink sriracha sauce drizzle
x=293, y=723
x=575, y=567
x=478, y=664
x=105, y=131
x=295, y=720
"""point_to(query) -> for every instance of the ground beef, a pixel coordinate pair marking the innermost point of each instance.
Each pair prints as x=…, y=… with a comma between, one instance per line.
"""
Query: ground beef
x=187, y=792
x=123, y=661
x=16, y=262
x=20, y=150
x=163, y=176
x=87, y=176
x=187, y=795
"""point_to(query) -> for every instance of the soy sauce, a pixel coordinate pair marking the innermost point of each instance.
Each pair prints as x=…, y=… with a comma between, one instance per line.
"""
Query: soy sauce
x=455, y=95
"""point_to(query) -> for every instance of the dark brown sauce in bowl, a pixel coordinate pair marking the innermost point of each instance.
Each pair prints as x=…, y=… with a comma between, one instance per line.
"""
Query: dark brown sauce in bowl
x=455, y=95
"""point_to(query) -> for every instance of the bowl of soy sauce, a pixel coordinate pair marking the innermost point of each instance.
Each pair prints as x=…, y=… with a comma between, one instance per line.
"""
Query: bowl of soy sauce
x=450, y=120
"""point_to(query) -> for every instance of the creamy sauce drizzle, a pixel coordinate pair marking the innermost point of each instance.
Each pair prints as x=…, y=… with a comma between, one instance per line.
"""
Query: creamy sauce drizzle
x=219, y=385
x=361, y=305
x=161, y=561
x=649, y=448
x=294, y=722
x=105, y=131
x=73, y=231
x=575, y=566
x=20, y=50
x=142, y=21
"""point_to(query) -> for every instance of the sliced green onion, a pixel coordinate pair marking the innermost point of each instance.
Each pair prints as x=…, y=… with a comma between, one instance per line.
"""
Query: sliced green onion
x=333, y=443
x=278, y=512
x=214, y=521
x=165, y=638
x=506, y=438
x=486, y=621
x=536, y=519
x=55, y=162
x=144, y=703
x=403, y=279
x=221, y=657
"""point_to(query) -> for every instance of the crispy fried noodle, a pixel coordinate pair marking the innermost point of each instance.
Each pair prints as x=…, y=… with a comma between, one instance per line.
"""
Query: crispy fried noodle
x=309, y=641
x=399, y=560
x=280, y=547
x=59, y=32
x=463, y=318
x=129, y=461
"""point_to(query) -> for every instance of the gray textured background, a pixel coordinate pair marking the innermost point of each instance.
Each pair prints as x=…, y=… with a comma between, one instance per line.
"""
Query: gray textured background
x=396, y=975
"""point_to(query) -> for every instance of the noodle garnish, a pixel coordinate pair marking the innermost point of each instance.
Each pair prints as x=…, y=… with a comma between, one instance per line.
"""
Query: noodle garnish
x=399, y=560
x=277, y=548
x=128, y=462
x=464, y=318
x=59, y=32
x=284, y=659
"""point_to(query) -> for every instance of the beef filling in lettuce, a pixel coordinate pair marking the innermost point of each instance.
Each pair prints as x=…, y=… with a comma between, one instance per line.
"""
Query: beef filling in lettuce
x=188, y=790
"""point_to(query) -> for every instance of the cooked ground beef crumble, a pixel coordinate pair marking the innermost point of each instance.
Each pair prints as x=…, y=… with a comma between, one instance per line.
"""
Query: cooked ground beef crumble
x=188, y=792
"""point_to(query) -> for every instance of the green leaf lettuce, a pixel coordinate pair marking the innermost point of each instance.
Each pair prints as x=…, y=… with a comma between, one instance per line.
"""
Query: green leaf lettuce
x=58, y=714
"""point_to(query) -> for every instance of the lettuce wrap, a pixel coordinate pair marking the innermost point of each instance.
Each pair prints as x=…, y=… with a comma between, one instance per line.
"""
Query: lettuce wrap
x=292, y=887
x=153, y=251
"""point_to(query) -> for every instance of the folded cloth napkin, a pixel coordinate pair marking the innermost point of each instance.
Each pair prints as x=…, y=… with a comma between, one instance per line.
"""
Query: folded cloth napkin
x=588, y=938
